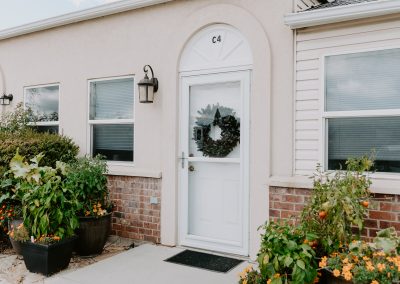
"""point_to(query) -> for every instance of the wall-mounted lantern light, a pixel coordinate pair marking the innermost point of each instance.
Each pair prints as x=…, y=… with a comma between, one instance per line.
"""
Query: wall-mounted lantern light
x=6, y=99
x=147, y=87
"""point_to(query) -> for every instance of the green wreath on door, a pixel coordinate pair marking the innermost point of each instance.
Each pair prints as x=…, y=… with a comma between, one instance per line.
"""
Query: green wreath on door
x=223, y=117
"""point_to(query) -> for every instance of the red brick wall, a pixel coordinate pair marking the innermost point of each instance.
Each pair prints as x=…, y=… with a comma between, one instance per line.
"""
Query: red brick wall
x=384, y=210
x=134, y=217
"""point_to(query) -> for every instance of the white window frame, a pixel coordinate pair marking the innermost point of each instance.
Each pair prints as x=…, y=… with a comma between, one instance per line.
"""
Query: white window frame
x=325, y=115
x=111, y=121
x=46, y=123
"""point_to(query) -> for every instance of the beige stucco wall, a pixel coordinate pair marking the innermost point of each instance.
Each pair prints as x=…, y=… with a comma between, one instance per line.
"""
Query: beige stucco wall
x=122, y=44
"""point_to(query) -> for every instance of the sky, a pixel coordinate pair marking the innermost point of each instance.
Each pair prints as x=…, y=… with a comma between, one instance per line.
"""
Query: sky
x=18, y=12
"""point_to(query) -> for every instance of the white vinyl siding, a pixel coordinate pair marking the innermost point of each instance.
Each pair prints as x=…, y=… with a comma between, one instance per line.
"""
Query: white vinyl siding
x=312, y=45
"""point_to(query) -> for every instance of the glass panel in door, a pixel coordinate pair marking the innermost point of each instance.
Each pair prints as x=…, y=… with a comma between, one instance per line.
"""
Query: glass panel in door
x=214, y=170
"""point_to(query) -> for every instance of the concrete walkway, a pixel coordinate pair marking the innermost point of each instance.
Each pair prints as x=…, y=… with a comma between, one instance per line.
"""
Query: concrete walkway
x=144, y=264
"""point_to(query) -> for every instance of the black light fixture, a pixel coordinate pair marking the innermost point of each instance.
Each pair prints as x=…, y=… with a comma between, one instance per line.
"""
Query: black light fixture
x=6, y=99
x=147, y=87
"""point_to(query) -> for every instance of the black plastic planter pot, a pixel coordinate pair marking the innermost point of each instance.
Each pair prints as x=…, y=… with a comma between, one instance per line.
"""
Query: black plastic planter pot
x=15, y=244
x=92, y=234
x=48, y=259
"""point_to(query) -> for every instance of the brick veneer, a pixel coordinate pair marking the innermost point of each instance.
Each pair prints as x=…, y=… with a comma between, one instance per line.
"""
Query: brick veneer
x=134, y=217
x=384, y=210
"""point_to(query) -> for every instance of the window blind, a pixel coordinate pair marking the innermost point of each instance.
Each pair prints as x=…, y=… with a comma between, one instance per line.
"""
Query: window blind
x=112, y=99
x=115, y=141
x=354, y=137
x=363, y=81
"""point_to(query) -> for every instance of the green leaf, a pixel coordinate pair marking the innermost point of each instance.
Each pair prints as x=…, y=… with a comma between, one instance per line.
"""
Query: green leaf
x=276, y=281
x=288, y=261
x=291, y=245
x=301, y=264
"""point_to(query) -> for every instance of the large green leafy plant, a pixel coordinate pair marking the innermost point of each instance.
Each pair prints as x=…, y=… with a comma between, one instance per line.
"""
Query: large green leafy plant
x=49, y=207
x=285, y=256
x=87, y=178
x=338, y=204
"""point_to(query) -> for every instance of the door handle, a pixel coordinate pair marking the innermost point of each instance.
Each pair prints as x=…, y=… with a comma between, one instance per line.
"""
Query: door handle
x=191, y=168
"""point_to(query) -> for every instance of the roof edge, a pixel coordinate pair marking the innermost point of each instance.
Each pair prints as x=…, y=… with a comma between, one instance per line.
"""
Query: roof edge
x=341, y=13
x=78, y=16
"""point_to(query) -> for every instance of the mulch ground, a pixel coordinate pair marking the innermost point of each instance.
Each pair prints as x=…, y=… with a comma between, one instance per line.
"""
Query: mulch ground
x=4, y=244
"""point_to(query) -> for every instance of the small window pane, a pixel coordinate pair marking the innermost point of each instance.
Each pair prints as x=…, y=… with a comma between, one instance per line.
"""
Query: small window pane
x=44, y=102
x=111, y=99
x=115, y=141
x=354, y=137
x=363, y=81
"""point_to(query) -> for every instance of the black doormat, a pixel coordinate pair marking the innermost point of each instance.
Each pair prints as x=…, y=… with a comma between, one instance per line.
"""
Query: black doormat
x=205, y=261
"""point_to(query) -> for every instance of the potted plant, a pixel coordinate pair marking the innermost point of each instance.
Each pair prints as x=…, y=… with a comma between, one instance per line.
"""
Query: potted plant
x=10, y=207
x=49, y=214
x=286, y=256
x=87, y=177
x=361, y=262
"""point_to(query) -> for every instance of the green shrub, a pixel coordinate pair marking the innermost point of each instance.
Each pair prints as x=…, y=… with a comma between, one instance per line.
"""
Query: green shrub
x=17, y=120
x=339, y=202
x=286, y=256
x=87, y=178
x=30, y=144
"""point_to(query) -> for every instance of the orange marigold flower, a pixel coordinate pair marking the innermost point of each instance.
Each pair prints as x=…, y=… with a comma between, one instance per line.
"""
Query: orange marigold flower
x=381, y=266
x=374, y=282
x=336, y=272
x=348, y=276
x=323, y=262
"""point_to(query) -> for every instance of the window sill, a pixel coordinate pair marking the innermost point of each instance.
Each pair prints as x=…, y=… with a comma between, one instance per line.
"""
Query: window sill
x=381, y=183
x=130, y=170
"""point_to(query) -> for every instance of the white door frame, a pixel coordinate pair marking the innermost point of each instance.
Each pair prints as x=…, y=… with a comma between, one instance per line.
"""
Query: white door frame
x=210, y=77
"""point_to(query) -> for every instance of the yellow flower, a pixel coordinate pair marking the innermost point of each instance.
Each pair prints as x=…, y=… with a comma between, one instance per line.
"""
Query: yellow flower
x=369, y=266
x=248, y=268
x=381, y=266
x=244, y=281
x=323, y=261
x=374, y=282
x=348, y=276
x=336, y=273
x=269, y=281
x=346, y=260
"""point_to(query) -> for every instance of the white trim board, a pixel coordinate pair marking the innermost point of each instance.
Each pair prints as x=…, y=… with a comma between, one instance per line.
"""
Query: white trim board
x=342, y=13
x=79, y=16
x=381, y=183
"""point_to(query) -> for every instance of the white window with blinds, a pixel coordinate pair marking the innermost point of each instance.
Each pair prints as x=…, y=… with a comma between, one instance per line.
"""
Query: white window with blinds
x=111, y=118
x=43, y=102
x=362, y=108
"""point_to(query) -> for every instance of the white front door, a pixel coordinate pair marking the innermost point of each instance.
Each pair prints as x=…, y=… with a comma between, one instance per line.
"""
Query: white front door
x=214, y=163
